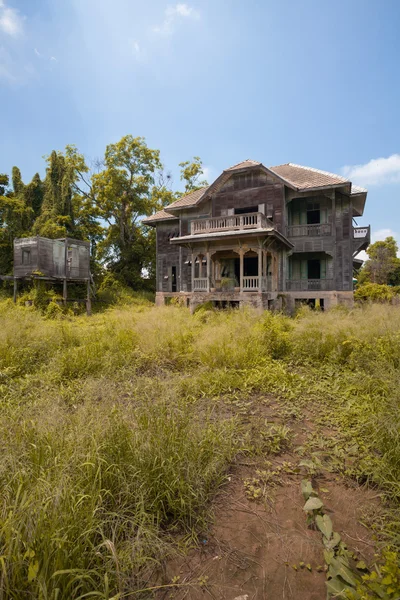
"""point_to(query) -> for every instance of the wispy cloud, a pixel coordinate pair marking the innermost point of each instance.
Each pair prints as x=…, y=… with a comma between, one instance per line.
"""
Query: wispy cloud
x=174, y=14
x=377, y=171
x=44, y=56
x=11, y=23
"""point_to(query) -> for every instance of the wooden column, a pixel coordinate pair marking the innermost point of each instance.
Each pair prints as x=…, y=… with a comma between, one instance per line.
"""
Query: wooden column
x=193, y=267
x=15, y=290
x=88, y=300
x=260, y=255
x=65, y=295
x=208, y=270
x=241, y=261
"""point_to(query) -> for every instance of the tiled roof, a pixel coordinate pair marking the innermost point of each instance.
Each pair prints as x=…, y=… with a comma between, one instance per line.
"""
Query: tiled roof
x=161, y=215
x=243, y=165
x=189, y=199
x=306, y=177
x=297, y=176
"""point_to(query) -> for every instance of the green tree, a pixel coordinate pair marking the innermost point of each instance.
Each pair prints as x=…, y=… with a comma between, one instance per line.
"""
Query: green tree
x=56, y=218
x=124, y=192
x=382, y=266
x=16, y=217
x=191, y=171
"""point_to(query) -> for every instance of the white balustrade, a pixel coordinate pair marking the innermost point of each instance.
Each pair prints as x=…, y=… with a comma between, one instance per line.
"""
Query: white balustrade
x=231, y=223
x=200, y=284
x=250, y=284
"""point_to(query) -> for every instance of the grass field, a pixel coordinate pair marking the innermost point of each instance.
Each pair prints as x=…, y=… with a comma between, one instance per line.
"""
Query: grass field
x=117, y=431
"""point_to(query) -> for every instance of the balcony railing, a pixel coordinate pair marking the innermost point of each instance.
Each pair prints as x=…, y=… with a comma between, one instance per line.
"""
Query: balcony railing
x=231, y=223
x=314, y=230
x=359, y=233
x=306, y=285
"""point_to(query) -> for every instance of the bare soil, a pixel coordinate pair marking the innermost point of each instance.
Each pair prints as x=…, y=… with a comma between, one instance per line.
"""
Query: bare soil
x=254, y=548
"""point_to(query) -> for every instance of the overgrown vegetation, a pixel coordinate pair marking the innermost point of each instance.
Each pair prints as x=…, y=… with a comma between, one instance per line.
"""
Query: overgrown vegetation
x=103, y=202
x=117, y=431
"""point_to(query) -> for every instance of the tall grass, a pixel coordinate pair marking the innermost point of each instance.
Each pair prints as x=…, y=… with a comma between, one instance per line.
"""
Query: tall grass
x=111, y=439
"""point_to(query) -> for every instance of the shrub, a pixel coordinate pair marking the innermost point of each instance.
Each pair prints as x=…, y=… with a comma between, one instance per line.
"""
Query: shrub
x=374, y=292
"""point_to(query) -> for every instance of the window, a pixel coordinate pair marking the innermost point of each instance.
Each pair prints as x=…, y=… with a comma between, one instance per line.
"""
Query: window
x=313, y=213
x=244, y=211
x=26, y=256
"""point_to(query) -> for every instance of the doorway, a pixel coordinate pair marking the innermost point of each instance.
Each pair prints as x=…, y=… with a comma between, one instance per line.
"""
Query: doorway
x=173, y=279
x=314, y=269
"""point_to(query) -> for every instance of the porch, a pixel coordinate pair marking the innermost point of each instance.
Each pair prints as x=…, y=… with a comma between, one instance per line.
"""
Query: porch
x=241, y=270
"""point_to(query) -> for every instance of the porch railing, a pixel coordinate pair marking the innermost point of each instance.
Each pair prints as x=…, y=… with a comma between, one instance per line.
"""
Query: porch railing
x=250, y=284
x=231, y=223
x=306, y=285
x=200, y=284
x=314, y=230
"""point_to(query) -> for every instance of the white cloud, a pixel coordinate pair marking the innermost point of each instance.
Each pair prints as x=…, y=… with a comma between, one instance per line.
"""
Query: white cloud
x=37, y=52
x=377, y=171
x=172, y=15
x=10, y=20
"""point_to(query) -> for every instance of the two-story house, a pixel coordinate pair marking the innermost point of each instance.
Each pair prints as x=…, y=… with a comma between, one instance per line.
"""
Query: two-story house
x=269, y=237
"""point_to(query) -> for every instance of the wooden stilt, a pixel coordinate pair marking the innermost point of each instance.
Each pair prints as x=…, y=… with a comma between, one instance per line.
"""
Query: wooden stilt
x=65, y=294
x=15, y=290
x=88, y=301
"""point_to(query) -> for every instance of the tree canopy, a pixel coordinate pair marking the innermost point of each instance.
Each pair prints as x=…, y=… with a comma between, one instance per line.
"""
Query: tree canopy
x=383, y=265
x=102, y=201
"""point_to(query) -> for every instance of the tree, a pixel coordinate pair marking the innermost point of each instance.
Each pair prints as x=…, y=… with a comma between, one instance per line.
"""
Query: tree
x=383, y=266
x=124, y=192
x=191, y=173
x=16, y=217
x=56, y=218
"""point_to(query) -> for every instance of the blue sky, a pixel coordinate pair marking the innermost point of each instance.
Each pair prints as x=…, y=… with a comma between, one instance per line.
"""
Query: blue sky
x=310, y=82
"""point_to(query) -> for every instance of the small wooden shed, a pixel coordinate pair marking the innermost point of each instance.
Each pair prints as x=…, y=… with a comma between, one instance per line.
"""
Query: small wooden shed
x=64, y=258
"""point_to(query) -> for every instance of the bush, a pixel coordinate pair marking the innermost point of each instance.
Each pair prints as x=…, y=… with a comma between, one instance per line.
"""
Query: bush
x=374, y=292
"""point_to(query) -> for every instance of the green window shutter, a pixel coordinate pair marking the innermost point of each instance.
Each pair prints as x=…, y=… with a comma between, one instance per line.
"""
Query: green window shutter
x=303, y=212
x=304, y=269
x=323, y=268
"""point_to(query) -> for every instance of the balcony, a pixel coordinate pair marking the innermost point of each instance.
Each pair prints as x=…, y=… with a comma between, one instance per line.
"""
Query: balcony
x=309, y=285
x=361, y=239
x=231, y=223
x=315, y=230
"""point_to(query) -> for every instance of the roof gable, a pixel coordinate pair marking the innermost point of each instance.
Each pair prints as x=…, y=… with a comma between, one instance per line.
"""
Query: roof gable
x=296, y=177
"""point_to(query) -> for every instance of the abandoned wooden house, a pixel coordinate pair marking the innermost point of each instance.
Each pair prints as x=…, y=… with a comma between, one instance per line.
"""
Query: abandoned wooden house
x=269, y=237
x=63, y=260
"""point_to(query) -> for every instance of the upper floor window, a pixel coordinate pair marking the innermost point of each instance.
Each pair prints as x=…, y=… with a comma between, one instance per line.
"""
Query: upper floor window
x=313, y=213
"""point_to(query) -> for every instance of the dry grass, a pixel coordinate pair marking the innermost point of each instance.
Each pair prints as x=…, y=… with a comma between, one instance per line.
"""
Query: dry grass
x=111, y=438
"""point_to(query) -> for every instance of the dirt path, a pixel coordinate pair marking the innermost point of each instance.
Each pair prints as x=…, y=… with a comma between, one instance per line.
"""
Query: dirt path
x=260, y=548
